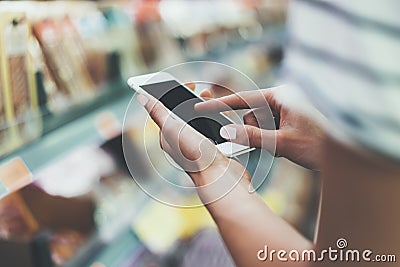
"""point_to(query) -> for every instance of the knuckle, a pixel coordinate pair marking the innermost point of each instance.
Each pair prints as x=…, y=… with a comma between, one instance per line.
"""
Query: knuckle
x=251, y=133
x=280, y=139
x=251, y=118
x=244, y=95
x=247, y=115
x=169, y=127
x=154, y=111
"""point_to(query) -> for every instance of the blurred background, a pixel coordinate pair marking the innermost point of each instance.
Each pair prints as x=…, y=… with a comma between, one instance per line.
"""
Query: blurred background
x=66, y=196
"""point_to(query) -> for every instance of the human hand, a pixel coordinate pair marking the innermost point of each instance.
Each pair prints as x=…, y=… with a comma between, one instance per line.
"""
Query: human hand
x=298, y=132
x=195, y=153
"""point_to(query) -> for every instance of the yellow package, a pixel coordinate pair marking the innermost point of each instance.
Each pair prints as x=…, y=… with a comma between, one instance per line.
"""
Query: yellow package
x=18, y=80
x=159, y=226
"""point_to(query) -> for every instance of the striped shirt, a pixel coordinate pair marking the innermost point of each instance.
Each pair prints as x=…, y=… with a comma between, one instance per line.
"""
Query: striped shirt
x=345, y=55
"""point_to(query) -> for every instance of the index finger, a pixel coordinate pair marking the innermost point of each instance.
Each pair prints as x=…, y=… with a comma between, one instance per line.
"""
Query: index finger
x=184, y=140
x=242, y=100
x=156, y=110
x=169, y=125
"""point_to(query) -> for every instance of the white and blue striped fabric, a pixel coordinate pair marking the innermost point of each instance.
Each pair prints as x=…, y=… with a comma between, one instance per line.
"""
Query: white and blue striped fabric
x=345, y=55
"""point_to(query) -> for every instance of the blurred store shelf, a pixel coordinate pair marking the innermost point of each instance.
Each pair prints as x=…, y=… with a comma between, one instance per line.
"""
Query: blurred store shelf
x=69, y=130
x=115, y=242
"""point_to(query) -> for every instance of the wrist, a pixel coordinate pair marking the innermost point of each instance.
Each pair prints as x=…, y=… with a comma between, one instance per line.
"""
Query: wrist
x=210, y=174
x=219, y=179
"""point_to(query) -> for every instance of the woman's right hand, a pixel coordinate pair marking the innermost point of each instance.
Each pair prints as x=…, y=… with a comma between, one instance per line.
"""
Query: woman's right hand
x=299, y=132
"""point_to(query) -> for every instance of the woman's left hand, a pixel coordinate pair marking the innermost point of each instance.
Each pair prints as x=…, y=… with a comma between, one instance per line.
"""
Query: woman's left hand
x=197, y=155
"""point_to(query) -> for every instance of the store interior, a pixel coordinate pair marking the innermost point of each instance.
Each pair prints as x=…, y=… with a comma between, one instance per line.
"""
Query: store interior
x=67, y=197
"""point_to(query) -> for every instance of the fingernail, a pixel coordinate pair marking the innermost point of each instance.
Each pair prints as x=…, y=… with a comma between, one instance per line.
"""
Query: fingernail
x=228, y=132
x=251, y=188
x=142, y=99
x=197, y=107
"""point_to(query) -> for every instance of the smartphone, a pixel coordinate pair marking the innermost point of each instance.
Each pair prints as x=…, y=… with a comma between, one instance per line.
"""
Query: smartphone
x=181, y=100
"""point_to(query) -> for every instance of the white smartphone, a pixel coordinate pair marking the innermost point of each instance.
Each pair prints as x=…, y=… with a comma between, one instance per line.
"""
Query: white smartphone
x=181, y=100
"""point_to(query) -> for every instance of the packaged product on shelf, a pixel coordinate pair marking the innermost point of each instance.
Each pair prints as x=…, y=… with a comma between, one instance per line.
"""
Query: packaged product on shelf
x=64, y=245
x=2, y=117
x=3, y=120
x=72, y=44
x=64, y=58
x=92, y=29
x=16, y=36
x=158, y=48
x=123, y=38
x=54, y=100
x=51, y=46
x=66, y=224
x=19, y=88
x=6, y=143
x=108, y=29
x=16, y=220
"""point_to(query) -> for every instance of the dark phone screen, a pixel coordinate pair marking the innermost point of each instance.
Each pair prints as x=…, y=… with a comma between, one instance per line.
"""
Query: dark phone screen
x=181, y=101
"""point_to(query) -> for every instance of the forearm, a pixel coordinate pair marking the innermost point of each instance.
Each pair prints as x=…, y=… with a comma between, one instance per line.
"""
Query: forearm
x=247, y=225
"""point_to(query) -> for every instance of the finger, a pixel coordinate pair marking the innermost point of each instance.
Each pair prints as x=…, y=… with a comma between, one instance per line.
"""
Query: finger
x=191, y=86
x=169, y=126
x=235, y=101
x=250, y=136
x=219, y=90
x=242, y=100
x=157, y=111
x=250, y=118
x=206, y=94
x=167, y=147
x=164, y=143
x=261, y=118
x=176, y=132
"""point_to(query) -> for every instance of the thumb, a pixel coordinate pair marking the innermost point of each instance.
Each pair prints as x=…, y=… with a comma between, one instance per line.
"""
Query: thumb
x=250, y=136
